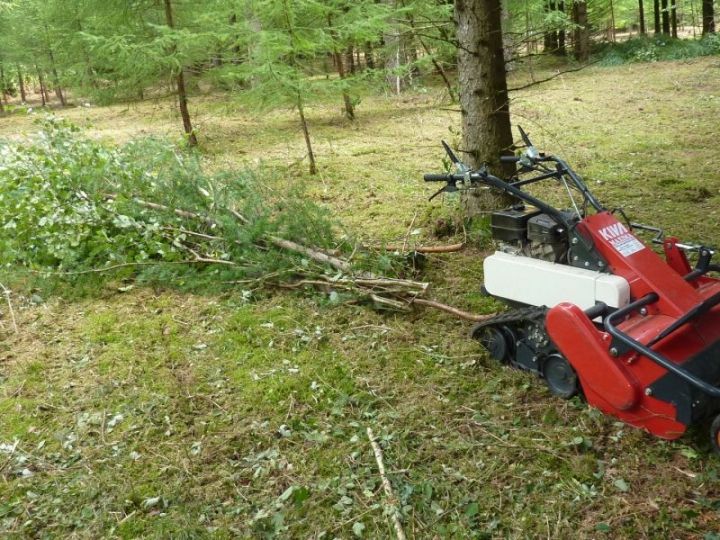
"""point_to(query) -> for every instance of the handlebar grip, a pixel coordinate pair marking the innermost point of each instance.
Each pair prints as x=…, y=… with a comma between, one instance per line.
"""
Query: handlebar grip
x=509, y=159
x=437, y=177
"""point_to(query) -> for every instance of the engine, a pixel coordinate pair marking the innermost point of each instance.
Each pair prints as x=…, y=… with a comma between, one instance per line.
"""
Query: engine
x=526, y=230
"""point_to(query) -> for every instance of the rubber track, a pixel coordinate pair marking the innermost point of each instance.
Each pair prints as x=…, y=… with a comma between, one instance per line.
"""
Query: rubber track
x=530, y=314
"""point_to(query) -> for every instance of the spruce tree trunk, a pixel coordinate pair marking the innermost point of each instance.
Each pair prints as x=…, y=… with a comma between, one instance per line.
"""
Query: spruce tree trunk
x=347, y=102
x=656, y=6
x=394, y=60
x=673, y=18
x=665, y=18
x=56, y=79
x=550, y=40
x=306, y=134
x=484, y=101
x=350, y=60
x=180, y=83
x=43, y=91
x=561, y=34
x=641, y=15
x=21, y=84
x=581, y=33
x=369, y=56
x=4, y=85
x=340, y=67
x=708, y=17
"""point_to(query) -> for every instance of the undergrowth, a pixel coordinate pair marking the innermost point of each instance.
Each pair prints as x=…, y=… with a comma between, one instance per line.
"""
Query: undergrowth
x=657, y=48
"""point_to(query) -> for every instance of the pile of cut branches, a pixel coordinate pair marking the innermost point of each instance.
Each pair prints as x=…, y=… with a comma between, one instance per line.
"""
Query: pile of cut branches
x=70, y=206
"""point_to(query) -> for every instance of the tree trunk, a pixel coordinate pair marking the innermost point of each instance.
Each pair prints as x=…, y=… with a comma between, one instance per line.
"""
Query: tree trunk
x=369, y=56
x=665, y=17
x=339, y=62
x=550, y=40
x=641, y=15
x=484, y=103
x=306, y=134
x=656, y=6
x=56, y=79
x=180, y=82
x=708, y=17
x=673, y=18
x=21, y=84
x=561, y=33
x=395, y=59
x=4, y=89
x=350, y=60
x=347, y=102
x=43, y=91
x=581, y=33
x=612, y=21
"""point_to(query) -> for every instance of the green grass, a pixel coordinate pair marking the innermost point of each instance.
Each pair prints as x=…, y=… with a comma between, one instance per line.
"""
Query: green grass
x=155, y=413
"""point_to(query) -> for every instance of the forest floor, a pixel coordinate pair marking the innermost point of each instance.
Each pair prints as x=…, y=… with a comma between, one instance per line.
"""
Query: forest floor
x=155, y=413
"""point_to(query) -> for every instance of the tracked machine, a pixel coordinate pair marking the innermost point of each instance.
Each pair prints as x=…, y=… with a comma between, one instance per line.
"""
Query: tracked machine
x=593, y=309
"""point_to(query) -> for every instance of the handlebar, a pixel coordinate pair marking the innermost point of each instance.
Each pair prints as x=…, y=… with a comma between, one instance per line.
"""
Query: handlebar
x=438, y=177
x=509, y=159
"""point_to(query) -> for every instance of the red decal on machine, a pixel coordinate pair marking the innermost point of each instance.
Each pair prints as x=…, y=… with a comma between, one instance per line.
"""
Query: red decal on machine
x=621, y=239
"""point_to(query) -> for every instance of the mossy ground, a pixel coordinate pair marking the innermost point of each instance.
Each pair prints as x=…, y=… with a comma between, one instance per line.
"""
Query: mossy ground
x=152, y=413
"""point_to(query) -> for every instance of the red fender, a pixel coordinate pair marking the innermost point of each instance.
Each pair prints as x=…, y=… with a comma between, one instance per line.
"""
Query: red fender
x=587, y=351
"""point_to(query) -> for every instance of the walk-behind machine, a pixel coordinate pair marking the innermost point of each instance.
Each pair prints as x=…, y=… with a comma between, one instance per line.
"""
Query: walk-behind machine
x=594, y=310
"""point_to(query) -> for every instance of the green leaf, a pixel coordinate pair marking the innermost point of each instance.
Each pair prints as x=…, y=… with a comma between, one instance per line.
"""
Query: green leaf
x=621, y=485
x=358, y=528
x=472, y=510
x=603, y=527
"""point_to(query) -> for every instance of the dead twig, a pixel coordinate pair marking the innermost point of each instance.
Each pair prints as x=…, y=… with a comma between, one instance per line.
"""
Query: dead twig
x=6, y=292
x=176, y=211
x=452, y=310
x=317, y=256
x=11, y=453
x=392, y=501
x=409, y=232
x=451, y=248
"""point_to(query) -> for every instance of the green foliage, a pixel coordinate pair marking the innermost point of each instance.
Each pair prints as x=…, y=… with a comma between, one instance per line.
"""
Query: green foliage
x=71, y=204
x=657, y=48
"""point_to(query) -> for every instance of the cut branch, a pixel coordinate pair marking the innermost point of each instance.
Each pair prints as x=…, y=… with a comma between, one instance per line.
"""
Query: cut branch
x=451, y=248
x=452, y=310
x=392, y=500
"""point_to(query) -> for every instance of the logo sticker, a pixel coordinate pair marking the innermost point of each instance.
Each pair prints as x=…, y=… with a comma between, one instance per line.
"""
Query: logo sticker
x=621, y=239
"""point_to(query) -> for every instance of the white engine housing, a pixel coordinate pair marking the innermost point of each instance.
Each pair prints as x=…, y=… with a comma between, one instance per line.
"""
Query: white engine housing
x=542, y=283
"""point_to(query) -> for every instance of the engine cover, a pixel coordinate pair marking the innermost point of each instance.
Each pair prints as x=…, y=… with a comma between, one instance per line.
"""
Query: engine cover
x=541, y=283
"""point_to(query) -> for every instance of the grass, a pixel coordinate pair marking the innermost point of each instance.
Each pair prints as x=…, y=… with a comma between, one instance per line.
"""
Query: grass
x=153, y=413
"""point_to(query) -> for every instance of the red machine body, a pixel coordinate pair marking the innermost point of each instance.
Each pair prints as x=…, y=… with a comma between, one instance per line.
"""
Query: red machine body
x=592, y=309
x=620, y=380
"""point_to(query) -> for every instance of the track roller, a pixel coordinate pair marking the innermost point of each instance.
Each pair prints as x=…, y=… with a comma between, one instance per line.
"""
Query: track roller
x=560, y=376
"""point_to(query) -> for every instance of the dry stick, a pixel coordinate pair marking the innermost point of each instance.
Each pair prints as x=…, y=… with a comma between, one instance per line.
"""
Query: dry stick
x=176, y=211
x=386, y=485
x=108, y=268
x=315, y=255
x=453, y=311
x=6, y=292
x=409, y=232
x=324, y=258
x=451, y=248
